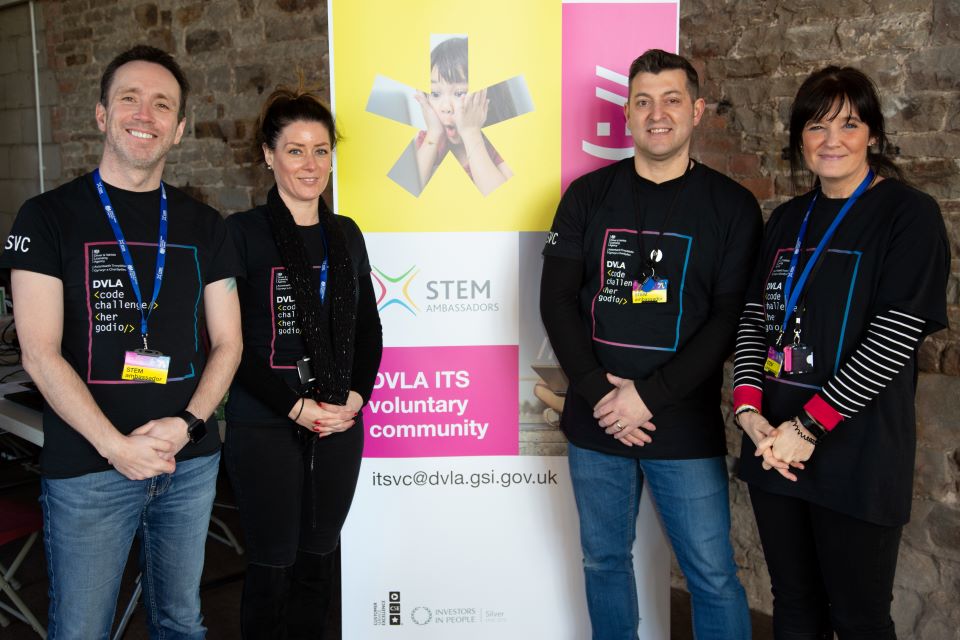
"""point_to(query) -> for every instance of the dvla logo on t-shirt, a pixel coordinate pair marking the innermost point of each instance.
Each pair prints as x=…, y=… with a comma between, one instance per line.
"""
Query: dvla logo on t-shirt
x=832, y=294
x=114, y=314
x=284, y=305
x=286, y=345
x=631, y=291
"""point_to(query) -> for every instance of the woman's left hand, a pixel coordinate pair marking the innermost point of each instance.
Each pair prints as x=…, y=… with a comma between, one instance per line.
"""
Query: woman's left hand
x=787, y=445
x=341, y=416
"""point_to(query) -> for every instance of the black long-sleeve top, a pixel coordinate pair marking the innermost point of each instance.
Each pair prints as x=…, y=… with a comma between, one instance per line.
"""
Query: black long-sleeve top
x=607, y=223
x=267, y=386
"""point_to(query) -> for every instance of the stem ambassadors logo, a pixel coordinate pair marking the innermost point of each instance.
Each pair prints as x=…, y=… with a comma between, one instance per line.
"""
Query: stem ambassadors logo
x=395, y=290
x=436, y=296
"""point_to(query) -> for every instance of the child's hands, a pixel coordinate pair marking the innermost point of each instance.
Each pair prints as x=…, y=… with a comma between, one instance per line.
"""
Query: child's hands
x=470, y=113
x=434, y=126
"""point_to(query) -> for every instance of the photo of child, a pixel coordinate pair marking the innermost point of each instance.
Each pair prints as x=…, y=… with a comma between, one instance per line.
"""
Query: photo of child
x=454, y=119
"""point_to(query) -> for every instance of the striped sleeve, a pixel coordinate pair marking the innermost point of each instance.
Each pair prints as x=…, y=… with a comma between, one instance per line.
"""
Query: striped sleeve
x=891, y=340
x=749, y=358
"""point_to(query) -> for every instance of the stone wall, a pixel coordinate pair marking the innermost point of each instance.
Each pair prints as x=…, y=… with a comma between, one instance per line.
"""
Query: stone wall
x=234, y=53
x=19, y=155
x=753, y=55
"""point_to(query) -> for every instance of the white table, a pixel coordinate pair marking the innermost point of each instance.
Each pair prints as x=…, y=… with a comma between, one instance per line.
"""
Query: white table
x=18, y=419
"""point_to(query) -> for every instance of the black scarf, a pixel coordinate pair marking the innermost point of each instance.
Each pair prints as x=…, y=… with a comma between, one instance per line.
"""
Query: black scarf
x=329, y=337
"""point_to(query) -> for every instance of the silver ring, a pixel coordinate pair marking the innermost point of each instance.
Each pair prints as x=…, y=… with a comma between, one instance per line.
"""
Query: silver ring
x=619, y=426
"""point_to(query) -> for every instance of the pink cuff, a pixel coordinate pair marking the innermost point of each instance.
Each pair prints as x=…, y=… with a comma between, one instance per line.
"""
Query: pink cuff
x=822, y=412
x=744, y=394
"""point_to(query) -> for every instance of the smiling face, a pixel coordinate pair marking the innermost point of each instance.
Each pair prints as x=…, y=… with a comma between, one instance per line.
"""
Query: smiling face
x=835, y=149
x=661, y=115
x=443, y=94
x=301, y=161
x=140, y=118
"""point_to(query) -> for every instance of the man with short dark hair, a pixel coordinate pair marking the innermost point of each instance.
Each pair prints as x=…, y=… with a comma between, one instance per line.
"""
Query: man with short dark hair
x=118, y=281
x=644, y=274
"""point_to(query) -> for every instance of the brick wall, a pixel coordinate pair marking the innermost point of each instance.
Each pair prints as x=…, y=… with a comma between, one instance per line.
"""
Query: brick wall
x=234, y=53
x=19, y=156
x=753, y=55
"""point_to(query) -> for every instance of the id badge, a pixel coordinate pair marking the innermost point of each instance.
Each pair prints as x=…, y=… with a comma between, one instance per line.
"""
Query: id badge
x=652, y=289
x=146, y=366
x=797, y=358
x=774, y=363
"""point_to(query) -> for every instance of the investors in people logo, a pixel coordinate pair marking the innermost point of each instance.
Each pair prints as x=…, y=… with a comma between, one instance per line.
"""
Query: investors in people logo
x=421, y=615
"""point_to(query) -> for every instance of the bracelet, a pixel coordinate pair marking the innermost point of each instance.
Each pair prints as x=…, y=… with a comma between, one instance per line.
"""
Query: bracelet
x=803, y=436
x=811, y=425
x=303, y=401
x=744, y=408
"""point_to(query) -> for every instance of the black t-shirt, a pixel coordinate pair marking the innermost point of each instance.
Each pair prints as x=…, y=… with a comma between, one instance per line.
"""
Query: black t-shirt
x=65, y=233
x=707, y=251
x=890, y=252
x=270, y=331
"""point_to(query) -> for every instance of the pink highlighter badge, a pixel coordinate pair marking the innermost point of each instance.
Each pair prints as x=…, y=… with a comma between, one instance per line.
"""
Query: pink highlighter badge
x=145, y=366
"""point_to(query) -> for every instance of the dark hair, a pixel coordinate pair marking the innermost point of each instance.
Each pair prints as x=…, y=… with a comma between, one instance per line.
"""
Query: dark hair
x=286, y=105
x=146, y=53
x=328, y=336
x=657, y=60
x=822, y=96
x=450, y=59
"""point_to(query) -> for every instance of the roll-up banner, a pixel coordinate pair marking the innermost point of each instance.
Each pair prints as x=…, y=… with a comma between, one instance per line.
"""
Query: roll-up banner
x=462, y=123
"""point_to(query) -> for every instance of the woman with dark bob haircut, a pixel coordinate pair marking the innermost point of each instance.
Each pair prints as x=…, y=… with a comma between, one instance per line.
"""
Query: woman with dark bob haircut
x=852, y=277
x=311, y=348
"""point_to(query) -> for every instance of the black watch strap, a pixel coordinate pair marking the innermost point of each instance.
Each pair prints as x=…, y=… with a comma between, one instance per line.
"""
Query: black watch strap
x=196, y=428
x=811, y=425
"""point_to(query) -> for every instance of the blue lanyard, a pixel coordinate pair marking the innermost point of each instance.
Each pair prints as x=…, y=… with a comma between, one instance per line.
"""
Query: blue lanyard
x=791, y=294
x=324, y=266
x=161, y=251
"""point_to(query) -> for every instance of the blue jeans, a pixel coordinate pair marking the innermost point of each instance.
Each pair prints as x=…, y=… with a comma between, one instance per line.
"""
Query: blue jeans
x=88, y=526
x=692, y=499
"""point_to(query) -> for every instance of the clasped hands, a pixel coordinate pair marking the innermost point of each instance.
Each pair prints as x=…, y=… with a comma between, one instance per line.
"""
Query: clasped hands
x=623, y=414
x=148, y=450
x=324, y=418
x=781, y=448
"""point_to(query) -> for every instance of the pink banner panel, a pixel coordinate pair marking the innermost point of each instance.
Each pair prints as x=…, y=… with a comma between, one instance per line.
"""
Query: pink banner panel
x=599, y=42
x=444, y=401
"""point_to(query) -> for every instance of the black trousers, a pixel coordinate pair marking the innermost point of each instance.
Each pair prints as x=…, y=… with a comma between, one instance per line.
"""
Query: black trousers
x=294, y=492
x=830, y=572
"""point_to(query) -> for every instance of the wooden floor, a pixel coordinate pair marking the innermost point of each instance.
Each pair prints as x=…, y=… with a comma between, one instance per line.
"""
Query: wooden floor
x=222, y=578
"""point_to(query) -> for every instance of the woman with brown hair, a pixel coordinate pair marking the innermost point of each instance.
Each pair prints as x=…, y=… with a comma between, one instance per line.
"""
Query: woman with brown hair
x=312, y=346
x=852, y=276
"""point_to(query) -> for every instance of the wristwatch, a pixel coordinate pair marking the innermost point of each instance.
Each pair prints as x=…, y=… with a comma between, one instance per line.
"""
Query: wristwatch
x=811, y=425
x=196, y=428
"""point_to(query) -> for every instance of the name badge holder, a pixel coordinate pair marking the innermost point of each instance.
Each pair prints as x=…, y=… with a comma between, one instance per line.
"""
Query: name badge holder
x=146, y=364
x=652, y=289
x=797, y=358
x=647, y=287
